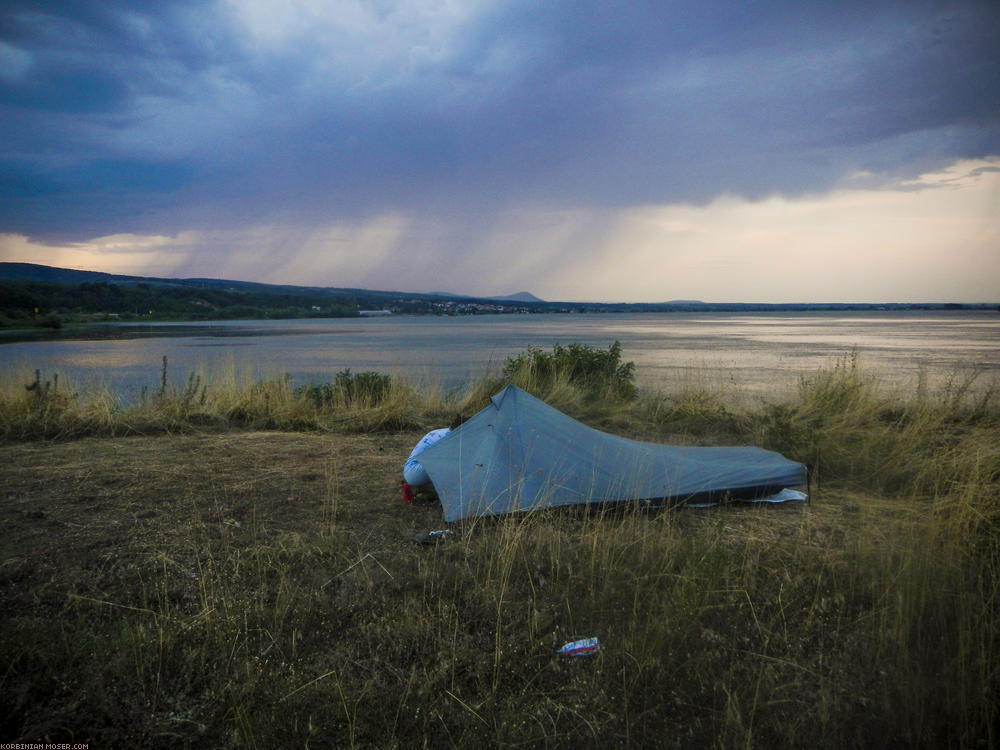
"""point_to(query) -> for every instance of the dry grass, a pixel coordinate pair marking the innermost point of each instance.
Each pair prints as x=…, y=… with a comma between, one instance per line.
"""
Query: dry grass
x=209, y=587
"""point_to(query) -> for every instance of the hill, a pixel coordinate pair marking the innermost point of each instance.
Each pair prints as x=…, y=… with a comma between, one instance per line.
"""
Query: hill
x=518, y=297
x=51, y=274
x=33, y=295
x=38, y=295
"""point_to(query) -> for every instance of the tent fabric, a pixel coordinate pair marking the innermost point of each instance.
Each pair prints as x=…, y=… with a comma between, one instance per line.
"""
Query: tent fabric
x=520, y=454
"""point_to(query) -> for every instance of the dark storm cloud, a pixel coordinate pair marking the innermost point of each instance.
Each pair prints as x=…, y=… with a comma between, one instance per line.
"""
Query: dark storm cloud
x=117, y=117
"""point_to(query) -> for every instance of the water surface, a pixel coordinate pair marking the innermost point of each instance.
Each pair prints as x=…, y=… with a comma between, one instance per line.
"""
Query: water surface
x=751, y=354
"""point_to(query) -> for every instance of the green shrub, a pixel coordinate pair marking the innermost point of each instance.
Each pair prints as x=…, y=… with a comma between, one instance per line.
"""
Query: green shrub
x=319, y=395
x=598, y=373
x=369, y=388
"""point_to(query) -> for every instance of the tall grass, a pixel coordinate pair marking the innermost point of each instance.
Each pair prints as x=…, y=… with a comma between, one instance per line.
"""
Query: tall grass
x=869, y=618
x=843, y=424
x=576, y=378
x=33, y=406
x=715, y=631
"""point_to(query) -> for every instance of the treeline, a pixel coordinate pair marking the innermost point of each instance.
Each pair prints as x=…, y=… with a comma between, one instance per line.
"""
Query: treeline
x=52, y=304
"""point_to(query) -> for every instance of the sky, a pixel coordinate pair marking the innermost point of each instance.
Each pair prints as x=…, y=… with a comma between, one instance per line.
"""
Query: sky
x=583, y=151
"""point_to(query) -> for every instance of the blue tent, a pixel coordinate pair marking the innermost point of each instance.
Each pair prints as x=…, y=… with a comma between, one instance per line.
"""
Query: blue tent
x=520, y=454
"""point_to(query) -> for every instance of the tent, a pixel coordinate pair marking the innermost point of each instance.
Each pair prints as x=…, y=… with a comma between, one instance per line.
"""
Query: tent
x=519, y=454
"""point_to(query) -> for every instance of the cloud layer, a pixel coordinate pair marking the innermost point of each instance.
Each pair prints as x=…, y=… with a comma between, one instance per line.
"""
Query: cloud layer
x=413, y=140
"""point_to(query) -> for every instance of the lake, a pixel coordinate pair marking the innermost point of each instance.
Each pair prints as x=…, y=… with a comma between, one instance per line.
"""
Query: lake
x=747, y=354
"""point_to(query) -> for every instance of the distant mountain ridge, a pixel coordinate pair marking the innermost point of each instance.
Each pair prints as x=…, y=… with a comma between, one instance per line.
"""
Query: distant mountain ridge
x=51, y=274
x=518, y=297
x=403, y=301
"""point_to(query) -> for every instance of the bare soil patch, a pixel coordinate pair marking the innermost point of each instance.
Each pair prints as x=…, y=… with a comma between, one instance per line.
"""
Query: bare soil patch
x=63, y=501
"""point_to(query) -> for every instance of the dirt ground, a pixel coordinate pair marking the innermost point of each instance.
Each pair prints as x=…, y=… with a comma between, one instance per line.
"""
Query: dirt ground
x=64, y=501
x=124, y=561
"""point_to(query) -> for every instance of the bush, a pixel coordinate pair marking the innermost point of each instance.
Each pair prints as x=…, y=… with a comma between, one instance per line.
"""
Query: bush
x=597, y=372
x=369, y=388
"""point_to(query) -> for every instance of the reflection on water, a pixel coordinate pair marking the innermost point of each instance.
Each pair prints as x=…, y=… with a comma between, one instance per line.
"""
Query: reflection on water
x=752, y=354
